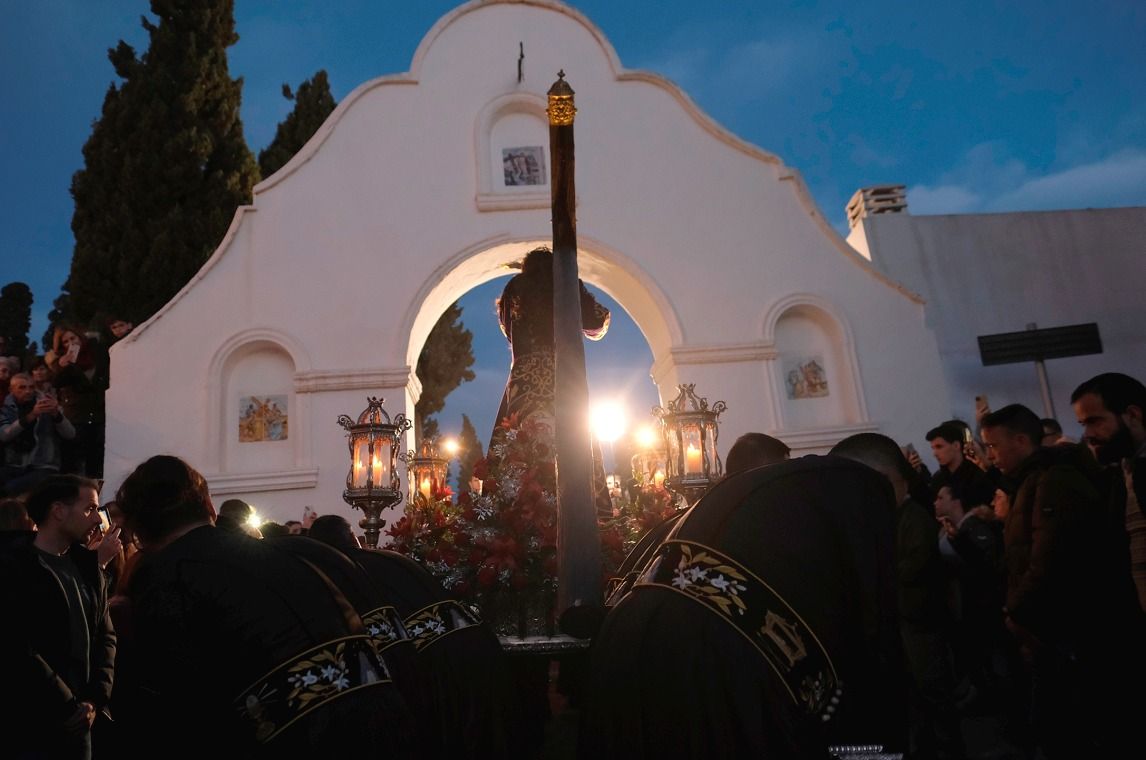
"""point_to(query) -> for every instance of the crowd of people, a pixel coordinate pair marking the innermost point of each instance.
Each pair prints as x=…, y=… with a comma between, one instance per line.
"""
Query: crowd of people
x=52, y=407
x=852, y=598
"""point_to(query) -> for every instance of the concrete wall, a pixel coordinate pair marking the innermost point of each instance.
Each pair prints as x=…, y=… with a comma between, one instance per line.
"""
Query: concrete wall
x=993, y=273
x=398, y=205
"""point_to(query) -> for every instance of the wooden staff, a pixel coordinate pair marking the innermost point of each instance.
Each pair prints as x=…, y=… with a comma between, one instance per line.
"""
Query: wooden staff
x=578, y=542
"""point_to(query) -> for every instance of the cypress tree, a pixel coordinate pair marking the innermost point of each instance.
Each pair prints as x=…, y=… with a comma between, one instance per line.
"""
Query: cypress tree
x=15, y=317
x=443, y=364
x=312, y=104
x=471, y=451
x=164, y=169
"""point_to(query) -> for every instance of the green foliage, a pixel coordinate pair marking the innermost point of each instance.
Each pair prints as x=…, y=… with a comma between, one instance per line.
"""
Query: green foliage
x=61, y=312
x=312, y=104
x=15, y=317
x=429, y=429
x=444, y=363
x=470, y=451
x=165, y=167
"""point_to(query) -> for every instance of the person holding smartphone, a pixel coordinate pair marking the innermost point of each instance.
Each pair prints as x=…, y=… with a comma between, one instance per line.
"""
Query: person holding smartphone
x=81, y=378
x=32, y=429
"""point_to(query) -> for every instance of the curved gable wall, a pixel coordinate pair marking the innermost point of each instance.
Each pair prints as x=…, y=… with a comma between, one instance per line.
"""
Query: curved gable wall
x=357, y=244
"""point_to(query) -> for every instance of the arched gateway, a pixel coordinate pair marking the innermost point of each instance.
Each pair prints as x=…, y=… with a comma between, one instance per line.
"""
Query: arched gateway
x=423, y=185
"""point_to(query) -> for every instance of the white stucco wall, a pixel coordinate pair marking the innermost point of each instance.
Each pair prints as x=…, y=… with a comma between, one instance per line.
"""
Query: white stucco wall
x=994, y=273
x=349, y=254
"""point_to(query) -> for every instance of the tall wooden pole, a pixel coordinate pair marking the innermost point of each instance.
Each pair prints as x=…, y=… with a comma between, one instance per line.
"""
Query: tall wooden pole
x=578, y=542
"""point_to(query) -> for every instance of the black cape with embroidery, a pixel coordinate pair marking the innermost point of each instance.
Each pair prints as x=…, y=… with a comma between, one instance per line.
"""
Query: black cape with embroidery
x=672, y=678
x=213, y=614
x=473, y=706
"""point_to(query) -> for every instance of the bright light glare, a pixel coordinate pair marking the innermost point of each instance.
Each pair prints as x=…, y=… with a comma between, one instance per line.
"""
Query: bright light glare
x=609, y=420
x=254, y=520
x=450, y=446
x=647, y=438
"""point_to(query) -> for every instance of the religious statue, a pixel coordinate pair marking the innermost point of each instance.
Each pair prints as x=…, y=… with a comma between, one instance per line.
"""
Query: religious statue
x=525, y=312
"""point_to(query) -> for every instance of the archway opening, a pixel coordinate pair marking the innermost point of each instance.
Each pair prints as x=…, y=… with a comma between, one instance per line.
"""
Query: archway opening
x=618, y=365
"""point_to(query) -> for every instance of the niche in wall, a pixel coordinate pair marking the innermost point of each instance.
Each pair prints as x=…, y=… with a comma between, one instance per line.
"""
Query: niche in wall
x=259, y=410
x=513, y=153
x=815, y=376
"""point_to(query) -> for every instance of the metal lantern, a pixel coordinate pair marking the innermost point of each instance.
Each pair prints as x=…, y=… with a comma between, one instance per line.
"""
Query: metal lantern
x=648, y=463
x=427, y=470
x=372, y=484
x=689, y=429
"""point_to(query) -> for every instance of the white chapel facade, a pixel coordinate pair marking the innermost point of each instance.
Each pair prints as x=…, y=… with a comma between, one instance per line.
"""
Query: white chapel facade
x=423, y=185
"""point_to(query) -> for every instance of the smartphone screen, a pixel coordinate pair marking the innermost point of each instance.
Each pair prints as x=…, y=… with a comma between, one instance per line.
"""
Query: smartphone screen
x=104, y=520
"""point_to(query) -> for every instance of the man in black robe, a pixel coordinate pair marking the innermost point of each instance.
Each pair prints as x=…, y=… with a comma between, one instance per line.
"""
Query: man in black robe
x=764, y=627
x=471, y=710
x=244, y=650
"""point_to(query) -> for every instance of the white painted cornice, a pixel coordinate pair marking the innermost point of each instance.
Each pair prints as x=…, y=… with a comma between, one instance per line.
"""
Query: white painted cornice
x=321, y=381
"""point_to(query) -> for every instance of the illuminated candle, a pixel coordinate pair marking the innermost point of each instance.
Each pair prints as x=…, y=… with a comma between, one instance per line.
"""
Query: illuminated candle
x=376, y=471
x=425, y=487
x=659, y=479
x=692, y=460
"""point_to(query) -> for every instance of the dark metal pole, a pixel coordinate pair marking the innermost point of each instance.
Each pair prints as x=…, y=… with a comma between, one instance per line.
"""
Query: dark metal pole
x=578, y=542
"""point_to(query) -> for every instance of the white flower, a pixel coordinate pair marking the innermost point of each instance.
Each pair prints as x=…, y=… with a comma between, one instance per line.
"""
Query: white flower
x=720, y=582
x=341, y=683
x=696, y=574
x=679, y=580
x=437, y=626
x=417, y=630
x=309, y=679
x=329, y=672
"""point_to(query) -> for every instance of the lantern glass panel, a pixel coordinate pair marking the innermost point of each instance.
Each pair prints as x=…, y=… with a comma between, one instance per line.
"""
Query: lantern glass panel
x=672, y=447
x=380, y=462
x=438, y=474
x=693, y=449
x=361, y=461
x=710, y=431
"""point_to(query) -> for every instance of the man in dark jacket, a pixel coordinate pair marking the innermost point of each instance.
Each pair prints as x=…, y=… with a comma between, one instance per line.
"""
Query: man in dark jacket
x=1070, y=603
x=1112, y=411
x=57, y=644
x=924, y=620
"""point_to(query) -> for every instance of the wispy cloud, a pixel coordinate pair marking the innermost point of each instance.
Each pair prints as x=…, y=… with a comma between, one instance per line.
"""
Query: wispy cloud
x=1118, y=180
x=988, y=181
x=740, y=72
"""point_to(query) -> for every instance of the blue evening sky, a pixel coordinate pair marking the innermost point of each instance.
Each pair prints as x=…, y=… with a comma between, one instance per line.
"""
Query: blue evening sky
x=976, y=106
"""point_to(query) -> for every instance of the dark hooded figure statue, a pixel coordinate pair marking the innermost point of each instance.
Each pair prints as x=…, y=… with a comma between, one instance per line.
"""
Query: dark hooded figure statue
x=765, y=625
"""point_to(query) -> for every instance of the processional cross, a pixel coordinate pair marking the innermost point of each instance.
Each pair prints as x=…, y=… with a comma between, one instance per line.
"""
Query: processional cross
x=579, y=582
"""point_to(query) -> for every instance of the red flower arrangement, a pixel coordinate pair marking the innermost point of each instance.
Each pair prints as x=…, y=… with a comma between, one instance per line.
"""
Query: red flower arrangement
x=503, y=539
x=499, y=544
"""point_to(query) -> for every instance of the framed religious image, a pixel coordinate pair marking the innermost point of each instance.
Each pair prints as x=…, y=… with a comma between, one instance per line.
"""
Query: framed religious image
x=262, y=418
x=523, y=166
x=804, y=377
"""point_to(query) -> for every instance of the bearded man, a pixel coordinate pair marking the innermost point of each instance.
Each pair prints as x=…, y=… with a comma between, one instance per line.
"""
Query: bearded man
x=1110, y=408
